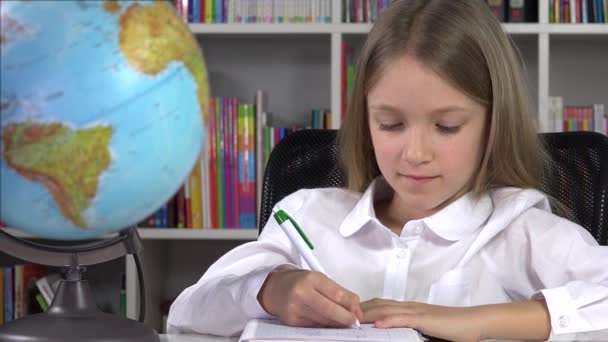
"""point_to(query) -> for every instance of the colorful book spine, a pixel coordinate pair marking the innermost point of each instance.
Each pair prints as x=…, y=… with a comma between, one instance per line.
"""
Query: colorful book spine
x=243, y=143
x=212, y=165
x=249, y=217
x=203, y=10
x=209, y=7
x=181, y=207
x=220, y=161
x=18, y=307
x=8, y=294
x=196, y=11
x=599, y=118
x=227, y=138
x=219, y=6
x=235, y=166
x=195, y=196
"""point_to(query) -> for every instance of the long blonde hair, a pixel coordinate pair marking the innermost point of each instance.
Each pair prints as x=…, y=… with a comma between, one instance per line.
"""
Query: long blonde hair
x=464, y=44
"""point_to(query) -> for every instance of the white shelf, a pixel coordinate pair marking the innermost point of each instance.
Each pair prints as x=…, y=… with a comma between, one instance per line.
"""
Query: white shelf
x=354, y=28
x=200, y=234
x=174, y=234
x=579, y=29
x=364, y=28
x=263, y=28
x=523, y=28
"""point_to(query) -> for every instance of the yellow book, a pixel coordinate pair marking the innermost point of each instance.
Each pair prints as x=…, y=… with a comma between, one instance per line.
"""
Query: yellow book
x=209, y=11
x=195, y=196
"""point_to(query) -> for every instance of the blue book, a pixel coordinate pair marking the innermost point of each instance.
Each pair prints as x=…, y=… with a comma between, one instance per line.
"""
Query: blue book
x=190, y=11
x=8, y=294
x=196, y=11
x=163, y=217
x=219, y=11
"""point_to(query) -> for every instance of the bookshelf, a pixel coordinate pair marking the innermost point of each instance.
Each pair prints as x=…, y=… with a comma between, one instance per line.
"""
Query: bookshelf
x=299, y=68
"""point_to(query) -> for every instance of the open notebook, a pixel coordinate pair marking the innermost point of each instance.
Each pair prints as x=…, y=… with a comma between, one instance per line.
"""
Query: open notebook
x=260, y=330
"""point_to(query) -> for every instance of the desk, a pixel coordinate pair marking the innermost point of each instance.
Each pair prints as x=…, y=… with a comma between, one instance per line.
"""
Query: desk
x=202, y=338
x=196, y=338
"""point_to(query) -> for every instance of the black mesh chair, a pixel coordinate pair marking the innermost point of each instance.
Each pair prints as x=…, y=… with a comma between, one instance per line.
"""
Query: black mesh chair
x=576, y=168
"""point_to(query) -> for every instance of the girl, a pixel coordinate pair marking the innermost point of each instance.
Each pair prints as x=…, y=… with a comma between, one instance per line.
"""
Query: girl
x=442, y=228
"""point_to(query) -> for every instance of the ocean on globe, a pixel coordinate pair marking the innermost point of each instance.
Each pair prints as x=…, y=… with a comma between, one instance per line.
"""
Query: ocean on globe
x=103, y=106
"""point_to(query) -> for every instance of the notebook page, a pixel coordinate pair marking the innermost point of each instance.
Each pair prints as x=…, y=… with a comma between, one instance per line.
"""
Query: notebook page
x=272, y=330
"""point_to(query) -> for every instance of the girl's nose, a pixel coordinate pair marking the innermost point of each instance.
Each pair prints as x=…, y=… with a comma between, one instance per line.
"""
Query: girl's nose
x=416, y=150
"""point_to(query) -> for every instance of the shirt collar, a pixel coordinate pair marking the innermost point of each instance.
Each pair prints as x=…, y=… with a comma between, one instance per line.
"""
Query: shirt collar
x=363, y=212
x=458, y=220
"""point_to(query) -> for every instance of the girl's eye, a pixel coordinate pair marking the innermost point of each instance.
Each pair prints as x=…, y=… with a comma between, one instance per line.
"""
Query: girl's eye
x=390, y=127
x=448, y=129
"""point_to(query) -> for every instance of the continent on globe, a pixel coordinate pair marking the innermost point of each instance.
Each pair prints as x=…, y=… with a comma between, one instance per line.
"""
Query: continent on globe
x=111, y=6
x=153, y=36
x=67, y=162
x=10, y=30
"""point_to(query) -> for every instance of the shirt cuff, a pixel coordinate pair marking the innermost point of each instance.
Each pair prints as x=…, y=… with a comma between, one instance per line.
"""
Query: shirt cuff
x=565, y=318
x=251, y=288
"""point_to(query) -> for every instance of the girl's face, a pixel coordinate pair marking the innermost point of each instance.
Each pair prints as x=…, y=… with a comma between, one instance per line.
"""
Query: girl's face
x=427, y=136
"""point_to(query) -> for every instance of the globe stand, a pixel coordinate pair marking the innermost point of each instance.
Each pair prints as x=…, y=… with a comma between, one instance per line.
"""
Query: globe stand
x=73, y=314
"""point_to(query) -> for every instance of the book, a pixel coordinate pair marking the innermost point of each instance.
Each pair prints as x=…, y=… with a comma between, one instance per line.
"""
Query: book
x=523, y=11
x=47, y=286
x=498, y=8
x=260, y=107
x=599, y=119
x=556, y=110
x=261, y=330
x=8, y=294
x=25, y=277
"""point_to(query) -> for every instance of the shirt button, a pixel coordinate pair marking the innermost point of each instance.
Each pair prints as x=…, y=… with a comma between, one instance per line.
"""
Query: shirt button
x=563, y=321
x=401, y=254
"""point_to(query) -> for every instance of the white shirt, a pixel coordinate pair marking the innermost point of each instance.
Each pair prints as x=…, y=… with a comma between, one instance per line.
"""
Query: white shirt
x=504, y=247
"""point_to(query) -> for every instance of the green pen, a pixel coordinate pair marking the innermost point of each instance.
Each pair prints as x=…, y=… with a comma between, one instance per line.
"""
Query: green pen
x=299, y=239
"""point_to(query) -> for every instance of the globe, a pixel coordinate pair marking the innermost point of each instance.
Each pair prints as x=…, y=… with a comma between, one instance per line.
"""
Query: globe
x=103, y=107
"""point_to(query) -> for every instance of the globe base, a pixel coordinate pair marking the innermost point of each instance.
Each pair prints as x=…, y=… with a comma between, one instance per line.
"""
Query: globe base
x=74, y=316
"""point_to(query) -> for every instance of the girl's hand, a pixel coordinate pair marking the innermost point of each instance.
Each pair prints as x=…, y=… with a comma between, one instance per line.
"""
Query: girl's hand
x=308, y=299
x=448, y=323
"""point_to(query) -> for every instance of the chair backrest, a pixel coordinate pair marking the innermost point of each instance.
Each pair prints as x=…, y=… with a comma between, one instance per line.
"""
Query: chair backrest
x=576, y=174
x=576, y=169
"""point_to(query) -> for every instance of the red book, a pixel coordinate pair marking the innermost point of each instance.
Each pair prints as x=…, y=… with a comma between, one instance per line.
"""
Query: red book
x=235, y=162
x=227, y=117
x=211, y=133
x=25, y=279
x=202, y=10
x=523, y=11
x=498, y=8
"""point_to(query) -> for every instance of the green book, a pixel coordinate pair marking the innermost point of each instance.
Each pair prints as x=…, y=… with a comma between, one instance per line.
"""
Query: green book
x=43, y=305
